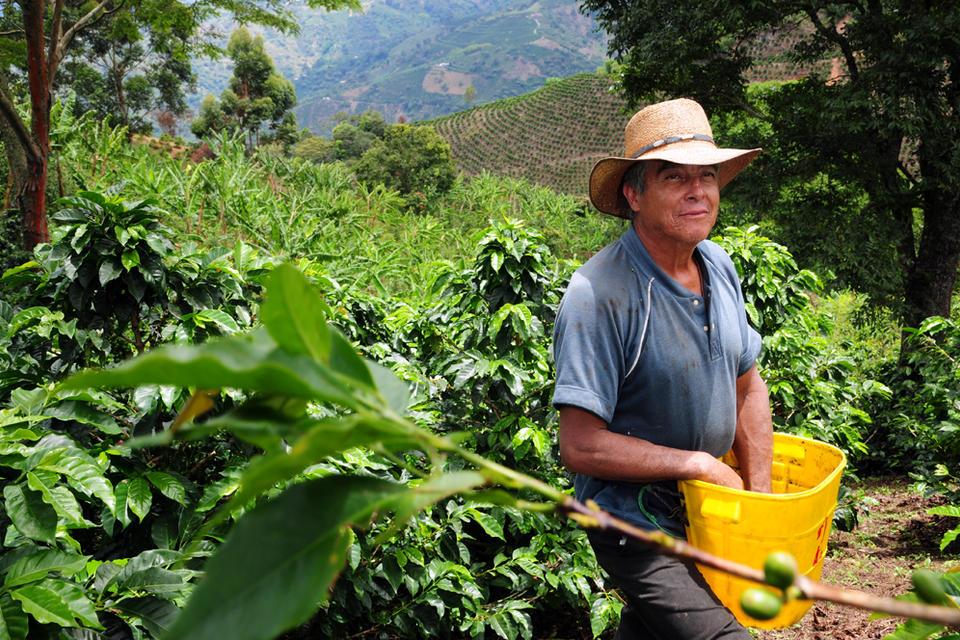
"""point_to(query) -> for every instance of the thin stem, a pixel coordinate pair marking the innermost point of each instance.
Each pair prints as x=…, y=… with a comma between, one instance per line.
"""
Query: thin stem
x=593, y=517
x=504, y=475
x=389, y=455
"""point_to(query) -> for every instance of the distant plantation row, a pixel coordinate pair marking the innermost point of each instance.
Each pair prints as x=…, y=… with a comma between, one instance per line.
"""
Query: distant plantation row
x=552, y=136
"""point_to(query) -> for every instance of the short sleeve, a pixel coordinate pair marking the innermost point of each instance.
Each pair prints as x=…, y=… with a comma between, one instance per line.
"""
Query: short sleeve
x=587, y=350
x=752, y=343
x=749, y=337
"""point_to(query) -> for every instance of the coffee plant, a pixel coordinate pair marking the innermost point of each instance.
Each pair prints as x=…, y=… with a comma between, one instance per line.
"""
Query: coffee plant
x=249, y=452
x=289, y=546
x=815, y=391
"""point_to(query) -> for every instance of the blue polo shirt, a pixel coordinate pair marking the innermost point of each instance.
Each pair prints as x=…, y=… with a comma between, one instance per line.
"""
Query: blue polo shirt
x=654, y=361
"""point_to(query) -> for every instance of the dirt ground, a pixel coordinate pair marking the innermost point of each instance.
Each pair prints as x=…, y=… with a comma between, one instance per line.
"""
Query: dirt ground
x=894, y=537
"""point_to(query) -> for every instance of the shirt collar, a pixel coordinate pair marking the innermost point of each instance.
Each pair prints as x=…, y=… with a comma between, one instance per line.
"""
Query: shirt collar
x=641, y=260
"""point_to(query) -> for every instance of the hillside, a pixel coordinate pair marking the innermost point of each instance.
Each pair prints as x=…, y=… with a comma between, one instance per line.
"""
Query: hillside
x=552, y=136
x=420, y=59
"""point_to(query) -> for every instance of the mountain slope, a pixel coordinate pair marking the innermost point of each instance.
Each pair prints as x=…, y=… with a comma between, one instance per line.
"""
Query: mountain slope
x=420, y=58
x=552, y=136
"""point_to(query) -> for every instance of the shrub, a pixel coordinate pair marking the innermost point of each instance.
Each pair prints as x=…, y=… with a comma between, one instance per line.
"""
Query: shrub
x=815, y=387
x=411, y=159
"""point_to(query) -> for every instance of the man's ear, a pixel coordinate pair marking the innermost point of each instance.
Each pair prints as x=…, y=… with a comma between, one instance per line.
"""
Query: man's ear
x=631, y=195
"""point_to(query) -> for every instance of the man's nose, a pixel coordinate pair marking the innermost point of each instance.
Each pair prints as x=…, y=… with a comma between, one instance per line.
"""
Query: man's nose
x=695, y=187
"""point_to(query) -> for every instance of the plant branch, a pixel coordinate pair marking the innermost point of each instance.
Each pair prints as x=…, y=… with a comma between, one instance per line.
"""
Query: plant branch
x=12, y=116
x=590, y=516
x=55, y=50
x=831, y=34
x=58, y=45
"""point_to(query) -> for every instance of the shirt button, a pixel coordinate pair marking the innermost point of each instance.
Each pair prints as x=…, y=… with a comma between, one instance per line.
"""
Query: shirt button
x=706, y=328
x=696, y=303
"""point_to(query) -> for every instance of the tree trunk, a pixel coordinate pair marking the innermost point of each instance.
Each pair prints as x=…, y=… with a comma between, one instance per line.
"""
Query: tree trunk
x=933, y=275
x=16, y=159
x=33, y=200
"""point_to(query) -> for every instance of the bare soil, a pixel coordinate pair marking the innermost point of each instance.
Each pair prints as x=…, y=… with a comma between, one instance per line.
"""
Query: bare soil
x=895, y=536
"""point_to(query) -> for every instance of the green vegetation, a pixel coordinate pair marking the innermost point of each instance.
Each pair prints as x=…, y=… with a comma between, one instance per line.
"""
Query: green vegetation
x=39, y=41
x=245, y=422
x=258, y=97
x=877, y=139
x=305, y=388
x=379, y=60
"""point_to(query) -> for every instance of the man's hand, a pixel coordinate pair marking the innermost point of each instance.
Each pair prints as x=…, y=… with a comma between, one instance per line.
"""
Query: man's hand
x=717, y=472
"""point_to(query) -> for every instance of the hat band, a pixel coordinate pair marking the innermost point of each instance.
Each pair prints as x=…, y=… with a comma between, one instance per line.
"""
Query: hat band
x=671, y=140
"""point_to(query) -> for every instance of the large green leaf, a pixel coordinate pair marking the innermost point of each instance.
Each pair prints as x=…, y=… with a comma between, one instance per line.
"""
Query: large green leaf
x=280, y=560
x=44, y=604
x=156, y=614
x=77, y=601
x=84, y=414
x=32, y=517
x=392, y=389
x=109, y=271
x=13, y=621
x=168, y=485
x=80, y=471
x=143, y=562
x=139, y=497
x=250, y=361
x=57, y=496
x=40, y=563
x=345, y=361
x=154, y=580
x=321, y=438
x=295, y=315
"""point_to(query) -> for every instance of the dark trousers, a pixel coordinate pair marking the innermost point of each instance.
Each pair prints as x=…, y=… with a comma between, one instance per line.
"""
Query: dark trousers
x=666, y=598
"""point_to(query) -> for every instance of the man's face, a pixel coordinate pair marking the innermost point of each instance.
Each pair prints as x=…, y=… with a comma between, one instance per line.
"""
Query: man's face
x=678, y=205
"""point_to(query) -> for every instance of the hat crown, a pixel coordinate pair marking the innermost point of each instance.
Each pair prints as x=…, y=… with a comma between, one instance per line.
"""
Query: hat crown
x=664, y=120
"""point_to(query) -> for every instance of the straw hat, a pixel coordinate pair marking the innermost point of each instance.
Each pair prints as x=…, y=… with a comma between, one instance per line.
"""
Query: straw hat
x=677, y=131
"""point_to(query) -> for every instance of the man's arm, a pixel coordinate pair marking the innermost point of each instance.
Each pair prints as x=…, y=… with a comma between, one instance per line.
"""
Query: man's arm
x=588, y=447
x=753, y=443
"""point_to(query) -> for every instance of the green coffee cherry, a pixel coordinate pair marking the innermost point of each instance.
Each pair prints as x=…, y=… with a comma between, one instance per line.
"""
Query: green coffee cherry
x=780, y=569
x=760, y=604
x=929, y=586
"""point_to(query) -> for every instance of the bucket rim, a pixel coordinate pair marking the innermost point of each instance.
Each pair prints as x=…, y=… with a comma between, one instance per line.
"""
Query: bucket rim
x=778, y=497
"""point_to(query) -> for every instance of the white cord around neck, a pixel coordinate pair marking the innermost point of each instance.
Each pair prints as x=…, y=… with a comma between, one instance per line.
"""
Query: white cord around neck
x=643, y=333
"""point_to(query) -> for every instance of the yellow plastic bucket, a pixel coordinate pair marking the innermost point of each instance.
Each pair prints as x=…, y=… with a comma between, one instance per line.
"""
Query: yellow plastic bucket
x=744, y=526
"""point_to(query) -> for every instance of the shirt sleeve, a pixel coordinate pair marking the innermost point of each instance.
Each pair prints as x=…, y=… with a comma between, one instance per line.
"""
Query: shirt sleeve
x=752, y=344
x=749, y=337
x=587, y=351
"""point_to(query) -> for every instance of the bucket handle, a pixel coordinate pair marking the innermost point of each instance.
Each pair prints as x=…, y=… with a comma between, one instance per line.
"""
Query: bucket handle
x=726, y=510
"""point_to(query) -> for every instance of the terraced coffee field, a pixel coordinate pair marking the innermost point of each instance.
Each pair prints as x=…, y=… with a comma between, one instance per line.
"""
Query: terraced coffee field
x=552, y=136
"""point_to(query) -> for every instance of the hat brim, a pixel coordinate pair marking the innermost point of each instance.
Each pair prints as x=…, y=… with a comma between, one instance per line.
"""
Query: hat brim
x=607, y=175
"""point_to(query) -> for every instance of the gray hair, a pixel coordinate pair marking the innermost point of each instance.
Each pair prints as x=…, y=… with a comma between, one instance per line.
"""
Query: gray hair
x=634, y=177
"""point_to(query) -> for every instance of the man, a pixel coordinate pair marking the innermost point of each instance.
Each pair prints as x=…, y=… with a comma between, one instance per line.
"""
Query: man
x=656, y=373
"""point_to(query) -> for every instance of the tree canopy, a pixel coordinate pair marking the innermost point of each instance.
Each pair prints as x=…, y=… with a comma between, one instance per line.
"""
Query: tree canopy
x=38, y=35
x=877, y=108
x=258, y=95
